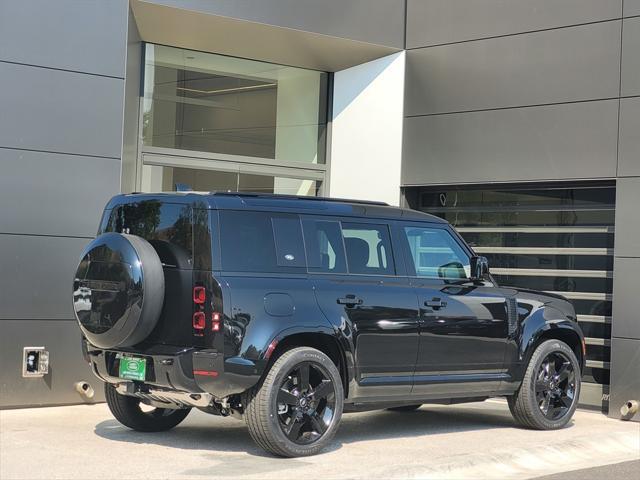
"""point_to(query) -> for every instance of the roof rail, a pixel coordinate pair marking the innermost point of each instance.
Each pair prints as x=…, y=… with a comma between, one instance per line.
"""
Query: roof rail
x=300, y=197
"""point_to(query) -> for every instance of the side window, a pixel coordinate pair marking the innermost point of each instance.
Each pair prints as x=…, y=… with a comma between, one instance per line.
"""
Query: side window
x=261, y=242
x=323, y=242
x=289, y=243
x=368, y=249
x=436, y=254
x=166, y=226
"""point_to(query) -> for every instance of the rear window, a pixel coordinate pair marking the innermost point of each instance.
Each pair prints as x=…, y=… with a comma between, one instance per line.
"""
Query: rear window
x=166, y=226
x=261, y=242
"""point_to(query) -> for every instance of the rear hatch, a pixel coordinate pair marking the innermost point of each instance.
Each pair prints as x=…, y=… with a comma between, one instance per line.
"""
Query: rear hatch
x=180, y=235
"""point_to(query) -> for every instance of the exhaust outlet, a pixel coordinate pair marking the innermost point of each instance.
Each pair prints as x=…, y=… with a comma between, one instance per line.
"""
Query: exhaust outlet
x=629, y=409
x=85, y=389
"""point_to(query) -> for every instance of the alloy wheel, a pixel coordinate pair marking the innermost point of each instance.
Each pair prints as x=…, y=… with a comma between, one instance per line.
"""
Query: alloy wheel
x=555, y=386
x=306, y=403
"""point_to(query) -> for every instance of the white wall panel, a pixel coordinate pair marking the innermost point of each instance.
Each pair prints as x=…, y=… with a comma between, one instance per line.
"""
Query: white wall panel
x=366, y=147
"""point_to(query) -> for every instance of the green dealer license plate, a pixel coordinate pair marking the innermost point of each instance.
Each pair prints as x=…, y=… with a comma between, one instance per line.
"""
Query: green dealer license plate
x=132, y=368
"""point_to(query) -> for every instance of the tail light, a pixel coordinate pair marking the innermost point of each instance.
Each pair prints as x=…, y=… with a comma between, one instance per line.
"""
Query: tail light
x=215, y=322
x=199, y=295
x=200, y=315
x=199, y=322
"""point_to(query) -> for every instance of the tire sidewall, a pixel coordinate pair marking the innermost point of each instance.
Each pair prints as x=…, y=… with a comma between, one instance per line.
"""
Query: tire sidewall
x=296, y=357
x=538, y=357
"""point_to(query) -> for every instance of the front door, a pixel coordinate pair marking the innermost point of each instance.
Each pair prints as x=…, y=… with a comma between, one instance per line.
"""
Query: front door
x=464, y=325
x=354, y=275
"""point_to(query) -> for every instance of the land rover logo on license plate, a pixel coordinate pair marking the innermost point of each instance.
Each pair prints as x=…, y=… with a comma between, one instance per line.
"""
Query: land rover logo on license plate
x=132, y=368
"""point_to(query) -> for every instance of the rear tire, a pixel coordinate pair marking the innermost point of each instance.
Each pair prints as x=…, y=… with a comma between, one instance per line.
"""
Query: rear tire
x=404, y=408
x=127, y=411
x=295, y=411
x=548, y=395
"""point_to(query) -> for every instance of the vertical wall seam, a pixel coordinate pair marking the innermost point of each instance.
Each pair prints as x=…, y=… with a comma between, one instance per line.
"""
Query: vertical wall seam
x=619, y=92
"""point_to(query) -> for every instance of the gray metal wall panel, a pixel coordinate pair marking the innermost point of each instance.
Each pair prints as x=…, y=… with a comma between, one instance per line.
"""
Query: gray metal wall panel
x=432, y=22
x=60, y=111
x=67, y=34
x=130, y=135
x=626, y=303
x=62, y=339
x=37, y=276
x=625, y=381
x=629, y=148
x=569, y=64
x=373, y=21
x=54, y=202
x=631, y=7
x=631, y=57
x=627, y=218
x=549, y=142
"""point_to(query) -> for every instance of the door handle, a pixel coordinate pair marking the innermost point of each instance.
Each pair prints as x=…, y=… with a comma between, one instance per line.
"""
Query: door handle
x=435, y=303
x=349, y=300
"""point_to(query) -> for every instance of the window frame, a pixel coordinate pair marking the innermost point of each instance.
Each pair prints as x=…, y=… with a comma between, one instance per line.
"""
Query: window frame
x=279, y=270
x=396, y=256
x=392, y=272
x=408, y=257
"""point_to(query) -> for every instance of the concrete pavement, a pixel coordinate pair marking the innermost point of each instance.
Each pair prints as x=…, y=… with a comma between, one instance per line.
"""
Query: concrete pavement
x=462, y=441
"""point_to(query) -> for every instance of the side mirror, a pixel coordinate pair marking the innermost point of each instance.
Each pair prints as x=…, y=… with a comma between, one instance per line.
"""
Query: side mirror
x=479, y=268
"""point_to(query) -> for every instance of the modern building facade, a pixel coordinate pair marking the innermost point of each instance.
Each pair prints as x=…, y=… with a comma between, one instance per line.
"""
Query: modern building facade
x=518, y=121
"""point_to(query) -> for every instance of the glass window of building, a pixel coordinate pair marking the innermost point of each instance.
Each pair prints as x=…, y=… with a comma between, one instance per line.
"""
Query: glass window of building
x=203, y=102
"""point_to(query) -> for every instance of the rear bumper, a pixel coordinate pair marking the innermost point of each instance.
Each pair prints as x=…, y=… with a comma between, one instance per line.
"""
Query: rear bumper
x=180, y=369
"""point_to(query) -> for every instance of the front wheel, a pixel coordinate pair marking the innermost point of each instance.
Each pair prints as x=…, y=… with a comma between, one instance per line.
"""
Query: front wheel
x=296, y=409
x=131, y=412
x=548, y=395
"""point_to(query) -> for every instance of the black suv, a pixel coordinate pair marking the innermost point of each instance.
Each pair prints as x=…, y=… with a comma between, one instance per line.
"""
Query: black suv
x=287, y=311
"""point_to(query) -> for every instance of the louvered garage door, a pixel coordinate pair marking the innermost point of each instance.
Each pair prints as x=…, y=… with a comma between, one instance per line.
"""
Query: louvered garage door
x=557, y=238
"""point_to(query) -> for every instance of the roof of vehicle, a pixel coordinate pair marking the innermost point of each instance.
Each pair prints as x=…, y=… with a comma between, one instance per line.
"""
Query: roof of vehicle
x=277, y=202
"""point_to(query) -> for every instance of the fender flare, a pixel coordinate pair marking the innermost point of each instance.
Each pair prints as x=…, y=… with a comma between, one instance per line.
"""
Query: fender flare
x=543, y=320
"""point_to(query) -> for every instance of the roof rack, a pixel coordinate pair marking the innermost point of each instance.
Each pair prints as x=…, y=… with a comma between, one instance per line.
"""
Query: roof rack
x=299, y=197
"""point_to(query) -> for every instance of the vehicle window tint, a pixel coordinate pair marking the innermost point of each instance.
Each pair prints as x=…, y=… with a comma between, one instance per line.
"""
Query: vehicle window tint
x=436, y=254
x=166, y=226
x=368, y=249
x=323, y=242
x=246, y=242
x=201, y=239
x=289, y=244
x=261, y=242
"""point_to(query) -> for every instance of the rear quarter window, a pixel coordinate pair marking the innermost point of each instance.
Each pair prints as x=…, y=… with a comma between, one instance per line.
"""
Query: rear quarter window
x=261, y=242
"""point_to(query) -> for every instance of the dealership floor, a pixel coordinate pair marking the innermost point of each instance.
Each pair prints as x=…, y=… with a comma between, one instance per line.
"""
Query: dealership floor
x=463, y=441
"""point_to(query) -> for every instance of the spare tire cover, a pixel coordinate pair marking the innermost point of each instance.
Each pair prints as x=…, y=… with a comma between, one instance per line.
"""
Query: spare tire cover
x=118, y=290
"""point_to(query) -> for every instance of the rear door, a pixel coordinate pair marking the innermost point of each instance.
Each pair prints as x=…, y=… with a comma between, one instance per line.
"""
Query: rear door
x=168, y=227
x=353, y=270
x=464, y=325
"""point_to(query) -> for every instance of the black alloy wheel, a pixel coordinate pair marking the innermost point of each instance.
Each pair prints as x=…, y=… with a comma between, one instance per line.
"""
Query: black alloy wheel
x=296, y=409
x=548, y=394
x=306, y=403
x=555, y=386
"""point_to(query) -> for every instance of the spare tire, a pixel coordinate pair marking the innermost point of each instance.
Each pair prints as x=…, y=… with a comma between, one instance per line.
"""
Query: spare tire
x=118, y=290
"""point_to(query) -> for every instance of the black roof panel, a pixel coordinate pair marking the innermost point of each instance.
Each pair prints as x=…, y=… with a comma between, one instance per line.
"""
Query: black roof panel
x=274, y=202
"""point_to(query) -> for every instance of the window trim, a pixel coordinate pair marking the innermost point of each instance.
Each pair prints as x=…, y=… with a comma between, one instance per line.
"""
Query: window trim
x=408, y=257
x=396, y=256
x=394, y=271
